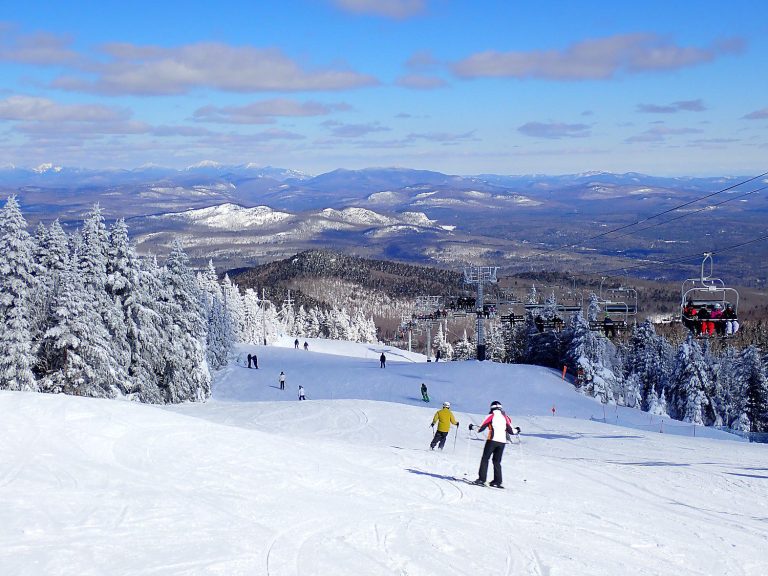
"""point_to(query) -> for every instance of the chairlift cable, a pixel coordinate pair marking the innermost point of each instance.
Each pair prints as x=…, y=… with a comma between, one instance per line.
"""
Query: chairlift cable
x=647, y=218
x=739, y=197
x=685, y=258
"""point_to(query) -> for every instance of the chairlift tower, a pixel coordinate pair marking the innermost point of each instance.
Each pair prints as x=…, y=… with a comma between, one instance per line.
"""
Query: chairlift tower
x=427, y=313
x=480, y=276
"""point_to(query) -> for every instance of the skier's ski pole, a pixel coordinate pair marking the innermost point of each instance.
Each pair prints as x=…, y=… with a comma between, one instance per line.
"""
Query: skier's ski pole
x=456, y=435
x=522, y=458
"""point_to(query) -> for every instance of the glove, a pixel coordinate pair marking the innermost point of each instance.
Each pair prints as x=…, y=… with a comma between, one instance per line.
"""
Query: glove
x=432, y=425
x=457, y=424
x=471, y=426
x=517, y=429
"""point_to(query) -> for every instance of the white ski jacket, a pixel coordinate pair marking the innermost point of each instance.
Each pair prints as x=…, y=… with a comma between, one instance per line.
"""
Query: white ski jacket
x=498, y=425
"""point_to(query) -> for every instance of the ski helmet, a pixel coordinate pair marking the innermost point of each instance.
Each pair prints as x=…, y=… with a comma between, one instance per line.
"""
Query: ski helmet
x=446, y=404
x=496, y=405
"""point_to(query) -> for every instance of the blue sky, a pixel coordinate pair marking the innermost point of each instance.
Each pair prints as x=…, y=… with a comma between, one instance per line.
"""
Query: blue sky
x=507, y=87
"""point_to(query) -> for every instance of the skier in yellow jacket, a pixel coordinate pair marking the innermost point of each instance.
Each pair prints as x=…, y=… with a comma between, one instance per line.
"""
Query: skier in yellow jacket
x=443, y=418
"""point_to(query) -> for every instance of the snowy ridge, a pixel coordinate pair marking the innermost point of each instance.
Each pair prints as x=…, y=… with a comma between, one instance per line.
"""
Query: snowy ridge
x=359, y=216
x=230, y=216
x=256, y=483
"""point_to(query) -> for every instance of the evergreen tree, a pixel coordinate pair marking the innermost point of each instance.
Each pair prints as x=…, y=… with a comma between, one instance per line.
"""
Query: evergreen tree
x=185, y=375
x=690, y=385
x=593, y=355
x=75, y=351
x=650, y=358
x=751, y=372
x=463, y=349
x=235, y=307
x=494, y=343
x=92, y=257
x=17, y=284
x=220, y=337
x=594, y=307
x=442, y=345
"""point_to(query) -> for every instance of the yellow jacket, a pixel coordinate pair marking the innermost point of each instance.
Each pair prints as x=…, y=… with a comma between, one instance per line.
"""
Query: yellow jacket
x=444, y=418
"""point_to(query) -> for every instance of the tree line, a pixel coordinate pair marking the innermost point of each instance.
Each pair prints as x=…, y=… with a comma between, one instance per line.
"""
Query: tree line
x=83, y=314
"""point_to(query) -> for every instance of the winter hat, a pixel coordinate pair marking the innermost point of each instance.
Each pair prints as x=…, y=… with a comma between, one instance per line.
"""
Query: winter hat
x=717, y=306
x=446, y=404
x=496, y=405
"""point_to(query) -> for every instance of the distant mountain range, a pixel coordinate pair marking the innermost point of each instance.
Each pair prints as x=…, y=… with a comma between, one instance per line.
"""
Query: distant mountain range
x=247, y=214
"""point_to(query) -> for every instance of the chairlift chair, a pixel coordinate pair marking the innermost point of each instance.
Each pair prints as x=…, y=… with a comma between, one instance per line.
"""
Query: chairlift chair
x=705, y=291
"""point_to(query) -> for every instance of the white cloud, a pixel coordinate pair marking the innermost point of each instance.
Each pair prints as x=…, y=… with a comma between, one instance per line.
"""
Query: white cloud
x=594, y=59
x=263, y=112
x=151, y=70
x=661, y=133
x=679, y=106
x=41, y=48
x=761, y=114
x=554, y=130
x=398, y=9
x=35, y=109
x=420, y=82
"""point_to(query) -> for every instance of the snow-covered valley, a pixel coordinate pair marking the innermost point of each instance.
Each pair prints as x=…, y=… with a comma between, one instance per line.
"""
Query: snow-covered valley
x=255, y=482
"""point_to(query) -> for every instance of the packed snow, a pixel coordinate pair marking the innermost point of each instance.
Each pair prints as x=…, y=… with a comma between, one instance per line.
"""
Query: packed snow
x=255, y=482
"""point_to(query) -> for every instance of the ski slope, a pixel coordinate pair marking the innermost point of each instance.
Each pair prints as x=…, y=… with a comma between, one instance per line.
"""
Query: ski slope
x=256, y=483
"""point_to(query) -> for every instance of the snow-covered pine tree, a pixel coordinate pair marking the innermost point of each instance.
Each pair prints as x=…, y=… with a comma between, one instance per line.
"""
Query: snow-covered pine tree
x=724, y=386
x=650, y=358
x=442, y=345
x=92, y=257
x=365, y=327
x=657, y=403
x=752, y=374
x=533, y=295
x=17, y=285
x=186, y=375
x=120, y=285
x=595, y=356
x=75, y=354
x=690, y=385
x=235, y=307
x=51, y=257
x=147, y=329
x=313, y=326
x=300, y=322
x=494, y=343
x=219, y=337
x=594, y=307
x=463, y=350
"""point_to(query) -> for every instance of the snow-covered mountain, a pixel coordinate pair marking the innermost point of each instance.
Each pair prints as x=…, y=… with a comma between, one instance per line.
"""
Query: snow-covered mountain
x=228, y=216
x=516, y=216
x=254, y=482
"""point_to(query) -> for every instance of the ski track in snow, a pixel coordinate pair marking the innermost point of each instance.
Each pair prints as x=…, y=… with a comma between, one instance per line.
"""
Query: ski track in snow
x=255, y=482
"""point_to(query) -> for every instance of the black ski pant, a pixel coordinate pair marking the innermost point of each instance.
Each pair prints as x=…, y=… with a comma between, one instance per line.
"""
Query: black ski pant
x=495, y=450
x=440, y=438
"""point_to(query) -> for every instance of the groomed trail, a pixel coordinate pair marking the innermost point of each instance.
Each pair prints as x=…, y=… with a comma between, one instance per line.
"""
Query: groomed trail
x=256, y=482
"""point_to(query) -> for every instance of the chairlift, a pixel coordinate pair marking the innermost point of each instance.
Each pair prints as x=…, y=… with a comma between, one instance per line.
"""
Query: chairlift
x=709, y=293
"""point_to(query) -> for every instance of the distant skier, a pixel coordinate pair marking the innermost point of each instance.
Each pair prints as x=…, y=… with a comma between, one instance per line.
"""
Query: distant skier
x=424, y=393
x=437, y=355
x=282, y=380
x=255, y=360
x=296, y=343
x=383, y=360
x=443, y=418
x=249, y=360
x=498, y=425
x=301, y=393
x=306, y=346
